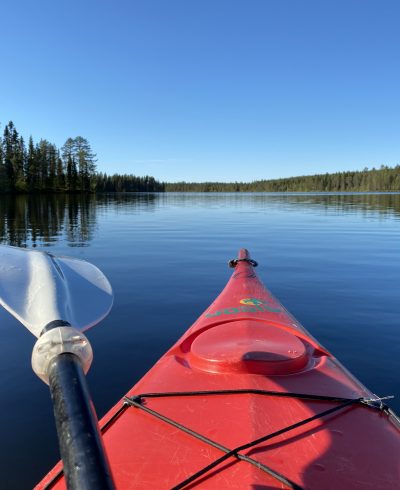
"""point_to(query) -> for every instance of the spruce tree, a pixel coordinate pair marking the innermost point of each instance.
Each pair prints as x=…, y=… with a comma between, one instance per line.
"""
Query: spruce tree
x=3, y=176
x=31, y=171
x=19, y=164
x=8, y=155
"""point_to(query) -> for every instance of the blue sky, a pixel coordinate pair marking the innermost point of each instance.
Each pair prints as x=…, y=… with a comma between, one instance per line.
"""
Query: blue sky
x=208, y=90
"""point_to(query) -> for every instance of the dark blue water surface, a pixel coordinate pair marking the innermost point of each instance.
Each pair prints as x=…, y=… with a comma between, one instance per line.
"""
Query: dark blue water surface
x=333, y=260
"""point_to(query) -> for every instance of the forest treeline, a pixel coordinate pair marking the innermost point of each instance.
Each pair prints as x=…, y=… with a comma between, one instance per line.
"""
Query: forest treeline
x=38, y=167
x=384, y=179
x=127, y=183
x=42, y=167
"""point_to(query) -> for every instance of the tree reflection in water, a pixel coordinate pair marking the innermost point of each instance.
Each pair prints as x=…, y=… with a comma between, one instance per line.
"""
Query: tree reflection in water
x=41, y=220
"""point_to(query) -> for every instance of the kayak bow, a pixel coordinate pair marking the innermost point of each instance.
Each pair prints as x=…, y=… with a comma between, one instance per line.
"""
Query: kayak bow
x=248, y=399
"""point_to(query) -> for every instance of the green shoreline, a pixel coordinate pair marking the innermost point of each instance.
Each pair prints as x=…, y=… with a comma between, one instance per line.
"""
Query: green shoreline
x=43, y=168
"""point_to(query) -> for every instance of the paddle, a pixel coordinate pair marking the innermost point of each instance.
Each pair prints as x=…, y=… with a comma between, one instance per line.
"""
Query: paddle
x=56, y=298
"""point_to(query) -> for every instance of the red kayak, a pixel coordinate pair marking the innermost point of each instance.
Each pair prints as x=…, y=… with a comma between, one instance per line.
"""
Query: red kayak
x=248, y=399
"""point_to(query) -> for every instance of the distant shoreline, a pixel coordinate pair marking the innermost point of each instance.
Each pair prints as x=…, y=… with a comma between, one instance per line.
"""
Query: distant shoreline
x=382, y=180
x=43, y=168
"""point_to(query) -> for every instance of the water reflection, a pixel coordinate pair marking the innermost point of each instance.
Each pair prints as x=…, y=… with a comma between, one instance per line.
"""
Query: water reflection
x=366, y=203
x=42, y=220
x=138, y=200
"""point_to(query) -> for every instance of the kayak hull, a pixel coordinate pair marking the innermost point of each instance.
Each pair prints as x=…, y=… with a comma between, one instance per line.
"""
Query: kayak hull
x=247, y=371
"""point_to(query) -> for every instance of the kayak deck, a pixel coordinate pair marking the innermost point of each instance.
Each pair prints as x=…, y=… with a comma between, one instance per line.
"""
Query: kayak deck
x=247, y=399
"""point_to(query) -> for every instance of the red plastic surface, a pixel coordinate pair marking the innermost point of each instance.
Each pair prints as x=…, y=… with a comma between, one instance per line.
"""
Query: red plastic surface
x=246, y=339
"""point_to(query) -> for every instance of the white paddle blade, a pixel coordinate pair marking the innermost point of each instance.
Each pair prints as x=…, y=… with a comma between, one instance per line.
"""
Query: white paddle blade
x=38, y=288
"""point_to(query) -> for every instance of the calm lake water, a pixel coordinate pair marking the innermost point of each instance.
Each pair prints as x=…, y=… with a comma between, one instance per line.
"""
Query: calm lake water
x=333, y=261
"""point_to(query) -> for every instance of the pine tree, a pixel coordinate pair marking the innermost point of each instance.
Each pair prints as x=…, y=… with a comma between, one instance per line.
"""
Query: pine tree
x=80, y=160
x=68, y=149
x=86, y=162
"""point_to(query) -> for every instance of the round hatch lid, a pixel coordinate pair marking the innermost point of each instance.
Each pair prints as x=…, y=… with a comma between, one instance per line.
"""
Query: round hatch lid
x=248, y=346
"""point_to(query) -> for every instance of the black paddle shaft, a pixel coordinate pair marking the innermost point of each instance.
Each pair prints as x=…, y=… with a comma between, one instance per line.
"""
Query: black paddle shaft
x=82, y=452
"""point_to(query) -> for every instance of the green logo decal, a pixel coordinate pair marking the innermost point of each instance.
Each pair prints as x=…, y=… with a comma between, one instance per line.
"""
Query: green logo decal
x=248, y=305
x=252, y=301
